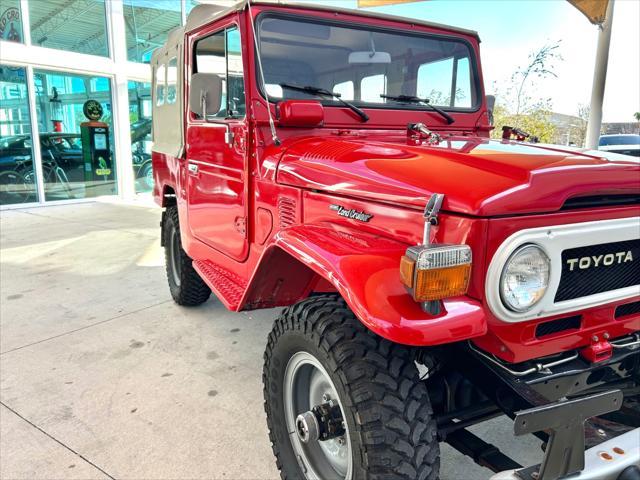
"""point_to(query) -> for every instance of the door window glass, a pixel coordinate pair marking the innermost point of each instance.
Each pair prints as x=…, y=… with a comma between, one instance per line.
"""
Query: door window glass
x=220, y=54
x=17, y=171
x=76, y=135
x=235, y=75
x=210, y=58
x=140, y=123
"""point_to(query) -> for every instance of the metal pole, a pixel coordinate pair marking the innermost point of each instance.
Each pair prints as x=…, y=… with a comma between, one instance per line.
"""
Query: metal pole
x=599, y=80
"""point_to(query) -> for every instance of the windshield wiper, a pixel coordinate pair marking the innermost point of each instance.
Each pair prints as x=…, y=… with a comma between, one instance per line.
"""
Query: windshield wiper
x=422, y=101
x=326, y=93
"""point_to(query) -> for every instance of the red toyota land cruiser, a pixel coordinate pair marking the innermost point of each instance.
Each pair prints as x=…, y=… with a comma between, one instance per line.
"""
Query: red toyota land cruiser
x=338, y=163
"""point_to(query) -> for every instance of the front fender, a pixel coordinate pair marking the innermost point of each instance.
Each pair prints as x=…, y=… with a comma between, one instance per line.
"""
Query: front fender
x=364, y=269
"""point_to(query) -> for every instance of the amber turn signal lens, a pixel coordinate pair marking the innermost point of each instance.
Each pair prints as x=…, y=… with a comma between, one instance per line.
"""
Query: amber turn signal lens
x=436, y=271
x=441, y=283
x=406, y=270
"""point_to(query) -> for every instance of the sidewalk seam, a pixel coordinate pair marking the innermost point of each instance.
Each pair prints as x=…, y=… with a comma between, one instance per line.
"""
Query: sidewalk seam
x=85, y=327
x=56, y=440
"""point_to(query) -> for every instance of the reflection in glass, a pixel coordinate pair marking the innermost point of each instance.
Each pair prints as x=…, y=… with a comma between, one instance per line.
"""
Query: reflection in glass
x=77, y=153
x=77, y=26
x=17, y=173
x=140, y=119
x=11, y=21
x=148, y=22
x=376, y=62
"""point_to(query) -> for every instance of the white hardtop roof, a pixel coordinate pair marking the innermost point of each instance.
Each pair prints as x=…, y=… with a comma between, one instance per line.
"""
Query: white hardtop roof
x=210, y=11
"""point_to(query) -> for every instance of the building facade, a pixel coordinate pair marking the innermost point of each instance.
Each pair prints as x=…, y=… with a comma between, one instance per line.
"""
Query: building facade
x=75, y=99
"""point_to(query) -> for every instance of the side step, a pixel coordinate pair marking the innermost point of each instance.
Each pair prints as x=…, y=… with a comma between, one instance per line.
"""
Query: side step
x=226, y=285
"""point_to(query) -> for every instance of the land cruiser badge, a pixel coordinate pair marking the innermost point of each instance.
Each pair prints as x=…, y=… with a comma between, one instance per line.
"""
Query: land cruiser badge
x=351, y=213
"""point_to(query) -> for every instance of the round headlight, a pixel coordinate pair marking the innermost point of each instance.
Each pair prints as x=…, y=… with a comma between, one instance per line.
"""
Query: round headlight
x=525, y=278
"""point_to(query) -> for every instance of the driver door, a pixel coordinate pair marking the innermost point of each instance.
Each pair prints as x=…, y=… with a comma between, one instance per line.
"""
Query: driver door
x=216, y=150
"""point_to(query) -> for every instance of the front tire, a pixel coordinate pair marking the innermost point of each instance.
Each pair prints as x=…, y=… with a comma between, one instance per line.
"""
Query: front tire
x=317, y=347
x=186, y=286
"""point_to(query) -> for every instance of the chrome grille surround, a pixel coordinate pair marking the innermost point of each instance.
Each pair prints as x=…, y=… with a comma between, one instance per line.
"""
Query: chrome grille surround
x=554, y=240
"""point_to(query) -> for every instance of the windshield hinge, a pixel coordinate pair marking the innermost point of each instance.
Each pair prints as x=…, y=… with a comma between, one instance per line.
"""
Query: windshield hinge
x=417, y=132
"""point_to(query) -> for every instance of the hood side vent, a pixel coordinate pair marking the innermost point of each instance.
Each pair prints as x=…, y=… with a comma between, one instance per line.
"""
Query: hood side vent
x=599, y=201
x=286, y=211
x=330, y=150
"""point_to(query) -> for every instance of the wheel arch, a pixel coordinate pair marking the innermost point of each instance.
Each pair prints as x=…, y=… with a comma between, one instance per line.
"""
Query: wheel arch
x=364, y=270
x=168, y=196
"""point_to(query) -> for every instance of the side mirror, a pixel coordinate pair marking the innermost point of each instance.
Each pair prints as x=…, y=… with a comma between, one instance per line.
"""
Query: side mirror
x=300, y=113
x=205, y=94
x=491, y=103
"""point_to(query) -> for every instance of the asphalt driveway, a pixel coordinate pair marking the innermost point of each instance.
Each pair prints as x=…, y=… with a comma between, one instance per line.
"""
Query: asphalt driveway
x=102, y=376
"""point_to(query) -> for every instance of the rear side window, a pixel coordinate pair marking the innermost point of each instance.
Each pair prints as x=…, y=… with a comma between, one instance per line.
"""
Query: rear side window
x=372, y=87
x=160, y=79
x=172, y=79
x=220, y=54
x=345, y=89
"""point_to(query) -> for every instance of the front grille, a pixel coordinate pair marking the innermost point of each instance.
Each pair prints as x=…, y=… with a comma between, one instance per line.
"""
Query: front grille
x=599, y=268
x=556, y=326
x=627, y=309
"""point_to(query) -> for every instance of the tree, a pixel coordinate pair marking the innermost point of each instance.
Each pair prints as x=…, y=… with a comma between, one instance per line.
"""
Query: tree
x=578, y=132
x=637, y=116
x=518, y=107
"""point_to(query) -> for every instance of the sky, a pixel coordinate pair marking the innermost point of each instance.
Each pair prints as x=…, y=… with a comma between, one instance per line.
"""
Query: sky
x=511, y=29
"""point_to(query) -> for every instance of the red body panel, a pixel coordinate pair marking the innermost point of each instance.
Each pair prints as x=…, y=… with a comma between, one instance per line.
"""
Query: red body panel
x=293, y=243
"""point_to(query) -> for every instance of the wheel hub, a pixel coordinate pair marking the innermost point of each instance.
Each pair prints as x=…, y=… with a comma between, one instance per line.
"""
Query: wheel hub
x=323, y=422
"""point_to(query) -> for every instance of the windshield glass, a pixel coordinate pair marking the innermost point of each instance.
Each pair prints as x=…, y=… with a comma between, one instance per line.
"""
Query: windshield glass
x=620, y=140
x=362, y=63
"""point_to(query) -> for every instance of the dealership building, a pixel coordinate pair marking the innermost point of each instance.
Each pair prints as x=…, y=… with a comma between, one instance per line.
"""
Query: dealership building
x=75, y=75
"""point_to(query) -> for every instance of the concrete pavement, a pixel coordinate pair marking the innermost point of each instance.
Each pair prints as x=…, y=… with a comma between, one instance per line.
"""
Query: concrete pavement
x=102, y=376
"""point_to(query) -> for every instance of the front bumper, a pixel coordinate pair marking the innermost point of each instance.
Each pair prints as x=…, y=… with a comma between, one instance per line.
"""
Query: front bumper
x=606, y=461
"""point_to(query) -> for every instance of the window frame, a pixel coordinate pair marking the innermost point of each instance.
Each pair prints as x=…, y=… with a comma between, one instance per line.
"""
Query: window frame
x=193, y=69
x=476, y=84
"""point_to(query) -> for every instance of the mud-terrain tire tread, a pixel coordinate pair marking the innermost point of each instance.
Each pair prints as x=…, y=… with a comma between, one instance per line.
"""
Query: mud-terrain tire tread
x=394, y=419
x=192, y=290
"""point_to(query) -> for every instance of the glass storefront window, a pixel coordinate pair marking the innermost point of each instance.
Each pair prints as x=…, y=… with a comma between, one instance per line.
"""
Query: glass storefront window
x=17, y=172
x=148, y=23
x=11, y=21
x=140, y=120
x=78, y=26
x=76, y=135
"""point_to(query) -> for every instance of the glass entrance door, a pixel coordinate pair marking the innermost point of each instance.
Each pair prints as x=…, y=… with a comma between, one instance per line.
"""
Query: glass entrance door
x=75, y=122
x=17, y=170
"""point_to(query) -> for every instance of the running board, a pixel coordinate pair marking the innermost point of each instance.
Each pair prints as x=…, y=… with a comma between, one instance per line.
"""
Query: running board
x=226, y=285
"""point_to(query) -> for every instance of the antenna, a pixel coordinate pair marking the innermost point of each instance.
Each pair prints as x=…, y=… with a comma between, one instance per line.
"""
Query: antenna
x=272, y=125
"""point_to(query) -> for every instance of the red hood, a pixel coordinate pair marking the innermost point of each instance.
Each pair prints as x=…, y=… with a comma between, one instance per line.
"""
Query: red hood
x=478, y=176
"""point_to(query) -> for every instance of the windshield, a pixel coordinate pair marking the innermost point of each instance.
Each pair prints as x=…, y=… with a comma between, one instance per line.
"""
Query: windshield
x=361, y=63
x=620, y=140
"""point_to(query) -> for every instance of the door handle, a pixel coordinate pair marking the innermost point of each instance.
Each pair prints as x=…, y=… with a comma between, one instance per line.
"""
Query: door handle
x=193, y=168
